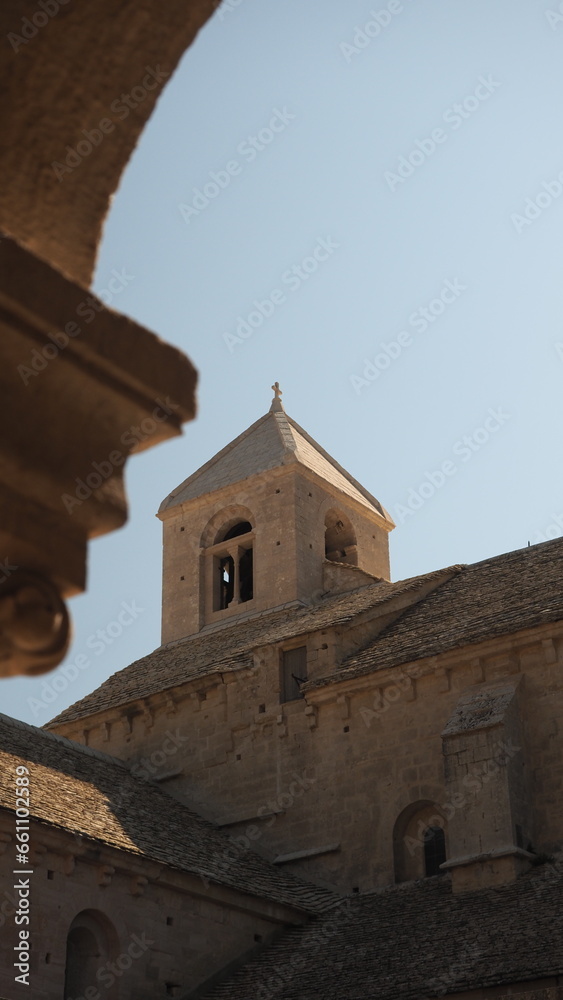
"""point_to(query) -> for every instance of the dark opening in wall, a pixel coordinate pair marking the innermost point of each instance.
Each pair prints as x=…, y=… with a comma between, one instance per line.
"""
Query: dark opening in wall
x=434, y=850
x=242, y=528
x=293, y=672
x=233, y=581
x=245, y=576
x=340, y=538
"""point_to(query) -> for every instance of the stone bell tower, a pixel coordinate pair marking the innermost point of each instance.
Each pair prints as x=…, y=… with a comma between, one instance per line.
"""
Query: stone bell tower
x=270, y=521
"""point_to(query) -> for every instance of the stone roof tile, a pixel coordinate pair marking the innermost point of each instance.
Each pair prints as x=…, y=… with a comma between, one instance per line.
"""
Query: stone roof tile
x=468, y=604
x=411, y=942
x=272, y=441
x=230, y=646
x=95, y=796
x=498, y=596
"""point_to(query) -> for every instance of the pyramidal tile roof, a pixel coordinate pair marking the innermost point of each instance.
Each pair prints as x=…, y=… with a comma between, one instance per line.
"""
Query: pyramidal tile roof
x=273, y=441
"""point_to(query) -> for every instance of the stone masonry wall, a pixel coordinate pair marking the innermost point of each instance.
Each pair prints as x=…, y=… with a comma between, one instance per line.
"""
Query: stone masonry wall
x=171, y=932
x=287, y=510
x=336, y=769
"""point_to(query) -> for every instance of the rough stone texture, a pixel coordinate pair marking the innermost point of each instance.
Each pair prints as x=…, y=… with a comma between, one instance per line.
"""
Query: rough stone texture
x=281, y=481
x=96, y=797
x=491, y=598
x=62, y=81
x=366, y=747
x=110, y=843
x=74, y=413
x=489, y=837
x=78, y=81
x=414, y=942
x=273, y=440
x=341, y=783
x=230, y=647
x=187, y=927
x=81, y=388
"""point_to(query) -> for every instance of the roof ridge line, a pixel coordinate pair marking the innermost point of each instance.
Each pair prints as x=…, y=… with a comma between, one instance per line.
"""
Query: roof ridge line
x=513, y=552
x=340, y=468
x=443, y=576
x=211, y=461
x=213, y=629
x=57, y=737
x=290, y=449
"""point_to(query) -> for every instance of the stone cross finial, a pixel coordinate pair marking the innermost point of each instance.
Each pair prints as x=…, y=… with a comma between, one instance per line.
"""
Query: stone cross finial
x=276, y=402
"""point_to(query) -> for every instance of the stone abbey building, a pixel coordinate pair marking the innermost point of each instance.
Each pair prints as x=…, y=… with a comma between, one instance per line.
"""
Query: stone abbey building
x=322, y=783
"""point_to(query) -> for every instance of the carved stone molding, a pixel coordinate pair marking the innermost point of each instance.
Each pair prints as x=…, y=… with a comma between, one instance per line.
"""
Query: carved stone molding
x=105, y=874
x=81, y=388
x=34, y=624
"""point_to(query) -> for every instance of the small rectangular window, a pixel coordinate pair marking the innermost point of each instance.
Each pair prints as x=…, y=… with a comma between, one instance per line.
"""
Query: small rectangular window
x=293, y=672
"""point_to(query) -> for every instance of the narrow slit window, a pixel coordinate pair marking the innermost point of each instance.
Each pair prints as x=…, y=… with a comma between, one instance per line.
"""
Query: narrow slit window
x=293, y=673
x=245, y=576
x=434, y=851
x=226, y=581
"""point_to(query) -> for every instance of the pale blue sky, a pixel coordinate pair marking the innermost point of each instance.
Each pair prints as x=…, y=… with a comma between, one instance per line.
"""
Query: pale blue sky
x=457, y=218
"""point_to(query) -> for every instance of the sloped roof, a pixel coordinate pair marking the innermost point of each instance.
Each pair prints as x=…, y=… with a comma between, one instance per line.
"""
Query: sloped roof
x=469, y=604
x=411, y=942
x=91, y=794
x=230, y=647
x=513, y=591
x=272, y=441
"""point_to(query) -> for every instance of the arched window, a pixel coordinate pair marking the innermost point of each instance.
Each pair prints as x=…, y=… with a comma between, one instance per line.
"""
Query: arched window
x=229, y=544
x=91, y=943
x=241, y=528
x=340, y=538
x=419, y=842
